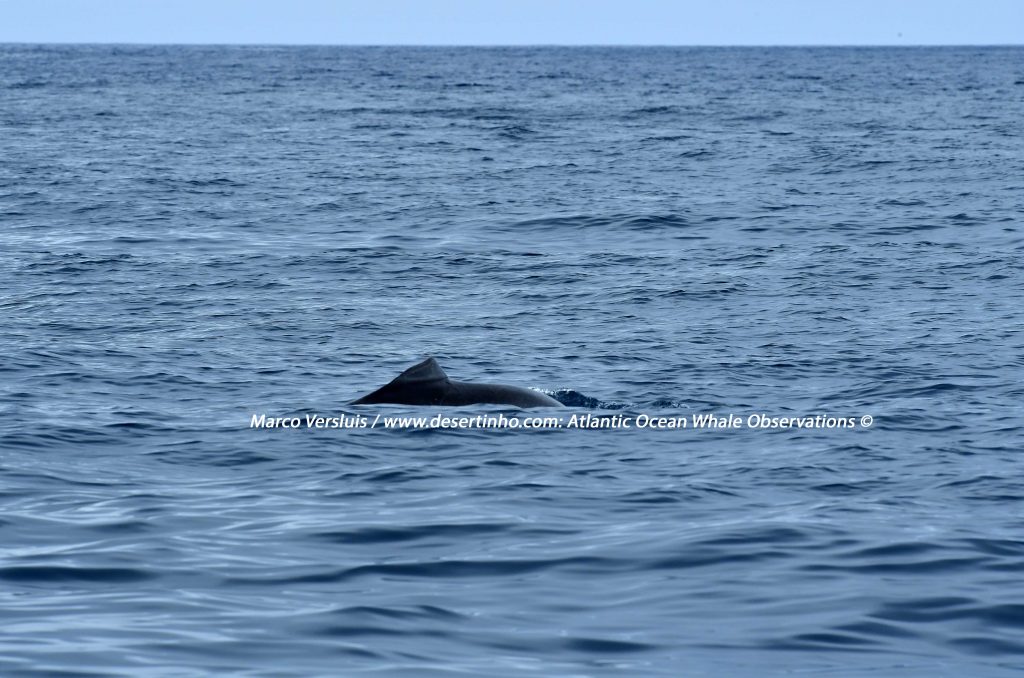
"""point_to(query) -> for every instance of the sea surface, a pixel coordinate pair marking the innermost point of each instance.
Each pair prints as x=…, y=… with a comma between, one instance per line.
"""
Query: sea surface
x=191, y=236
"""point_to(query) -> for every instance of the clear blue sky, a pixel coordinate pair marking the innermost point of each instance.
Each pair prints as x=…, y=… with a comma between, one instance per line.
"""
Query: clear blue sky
x=518, y=22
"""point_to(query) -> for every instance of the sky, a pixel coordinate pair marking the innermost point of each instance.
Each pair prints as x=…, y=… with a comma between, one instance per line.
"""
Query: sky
x=516, y=22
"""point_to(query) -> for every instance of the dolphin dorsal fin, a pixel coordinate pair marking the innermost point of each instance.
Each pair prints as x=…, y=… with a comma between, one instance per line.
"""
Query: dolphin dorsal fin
x=425, y=372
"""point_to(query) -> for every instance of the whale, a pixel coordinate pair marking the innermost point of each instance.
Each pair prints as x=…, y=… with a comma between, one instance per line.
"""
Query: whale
x=427, y=384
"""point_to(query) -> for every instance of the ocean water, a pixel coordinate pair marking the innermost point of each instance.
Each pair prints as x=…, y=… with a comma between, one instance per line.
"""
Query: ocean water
x=190, y=236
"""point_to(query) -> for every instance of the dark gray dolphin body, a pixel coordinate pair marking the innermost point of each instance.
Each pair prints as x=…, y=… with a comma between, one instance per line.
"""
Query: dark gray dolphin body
x=427, y=384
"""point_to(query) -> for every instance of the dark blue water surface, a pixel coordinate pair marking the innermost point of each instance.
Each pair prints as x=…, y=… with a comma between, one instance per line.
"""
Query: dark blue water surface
x=194, y=235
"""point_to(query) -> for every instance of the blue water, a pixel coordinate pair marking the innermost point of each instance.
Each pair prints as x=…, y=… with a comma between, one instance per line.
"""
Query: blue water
x=193, y=235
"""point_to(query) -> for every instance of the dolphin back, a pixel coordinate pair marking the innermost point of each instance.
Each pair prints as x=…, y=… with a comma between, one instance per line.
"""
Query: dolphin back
x=427, y=384
x=468, y=393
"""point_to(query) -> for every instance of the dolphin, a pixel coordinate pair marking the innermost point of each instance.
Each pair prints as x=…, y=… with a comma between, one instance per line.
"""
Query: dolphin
x=427, y=384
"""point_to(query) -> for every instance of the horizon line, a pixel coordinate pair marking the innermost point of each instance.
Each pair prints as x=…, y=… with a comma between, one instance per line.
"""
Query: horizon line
x=506, y=45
